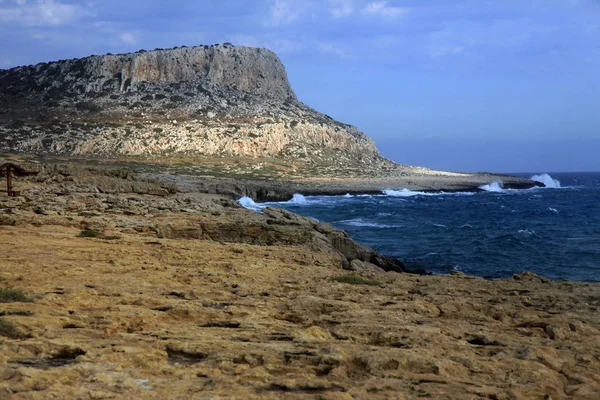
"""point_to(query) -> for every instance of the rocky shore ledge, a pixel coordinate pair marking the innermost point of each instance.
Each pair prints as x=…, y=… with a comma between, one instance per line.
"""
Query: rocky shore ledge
x=119, y=285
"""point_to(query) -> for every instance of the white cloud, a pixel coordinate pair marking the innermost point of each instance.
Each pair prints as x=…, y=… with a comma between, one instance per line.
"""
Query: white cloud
x=341, y=8
x=283, y=12
x=41, y=13
x=381, y=9
x=128, y=38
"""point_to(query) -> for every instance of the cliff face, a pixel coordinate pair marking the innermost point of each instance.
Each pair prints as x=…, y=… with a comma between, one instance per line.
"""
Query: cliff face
x=255, y=71
x=206, y=100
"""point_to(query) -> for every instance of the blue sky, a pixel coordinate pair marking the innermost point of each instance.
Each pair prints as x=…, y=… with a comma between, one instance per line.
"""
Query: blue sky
x=502, y=85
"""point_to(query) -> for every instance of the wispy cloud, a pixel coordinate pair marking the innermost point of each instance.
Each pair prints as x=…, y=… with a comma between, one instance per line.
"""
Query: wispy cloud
x=381, y=9
x=41, y=13
x=129, y=38
x=341, y=8
x=283, y=12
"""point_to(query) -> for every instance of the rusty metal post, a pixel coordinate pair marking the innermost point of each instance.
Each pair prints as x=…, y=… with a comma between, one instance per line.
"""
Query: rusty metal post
x=10, y=169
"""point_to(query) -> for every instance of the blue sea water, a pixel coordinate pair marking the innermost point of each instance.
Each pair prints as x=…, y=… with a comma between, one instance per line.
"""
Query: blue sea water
x=552, y=231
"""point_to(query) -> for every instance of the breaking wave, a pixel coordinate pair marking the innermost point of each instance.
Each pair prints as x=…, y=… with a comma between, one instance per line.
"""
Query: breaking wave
x=547, y=180
x=297, y=199
x=410, y=193
x=494, y=187
x=248, y=203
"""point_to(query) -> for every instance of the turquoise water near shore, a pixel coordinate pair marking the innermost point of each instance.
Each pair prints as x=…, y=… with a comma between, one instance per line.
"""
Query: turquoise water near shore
x=553, y=231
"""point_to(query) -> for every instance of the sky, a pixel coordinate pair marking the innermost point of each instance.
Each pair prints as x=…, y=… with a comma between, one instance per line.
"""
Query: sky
x=464, y=85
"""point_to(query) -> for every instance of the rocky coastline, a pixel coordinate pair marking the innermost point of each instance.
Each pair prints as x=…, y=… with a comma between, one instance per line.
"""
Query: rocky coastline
x=128, y=269
x=116, y=285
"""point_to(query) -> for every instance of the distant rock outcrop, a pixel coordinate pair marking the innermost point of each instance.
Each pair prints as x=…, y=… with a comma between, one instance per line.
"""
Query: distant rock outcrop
x=205, y=100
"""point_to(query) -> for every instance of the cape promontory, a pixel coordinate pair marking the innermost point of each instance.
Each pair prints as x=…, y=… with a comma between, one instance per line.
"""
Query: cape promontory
x=204, y=100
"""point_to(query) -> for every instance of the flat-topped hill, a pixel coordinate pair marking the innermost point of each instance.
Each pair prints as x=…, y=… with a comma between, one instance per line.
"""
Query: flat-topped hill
x=205, y=100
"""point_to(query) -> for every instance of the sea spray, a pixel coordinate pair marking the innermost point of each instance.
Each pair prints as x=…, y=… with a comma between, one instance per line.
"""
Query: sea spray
x=494, y=187
x=248, y=203
x=298, y=199
x=547, y=180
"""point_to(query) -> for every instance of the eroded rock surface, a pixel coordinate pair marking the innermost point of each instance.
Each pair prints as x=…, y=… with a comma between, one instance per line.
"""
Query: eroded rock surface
x=187, y=295
x=205, y=100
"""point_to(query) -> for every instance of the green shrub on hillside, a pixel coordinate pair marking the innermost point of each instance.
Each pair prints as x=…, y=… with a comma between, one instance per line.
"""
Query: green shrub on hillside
x=7, y=329
x=8, y=295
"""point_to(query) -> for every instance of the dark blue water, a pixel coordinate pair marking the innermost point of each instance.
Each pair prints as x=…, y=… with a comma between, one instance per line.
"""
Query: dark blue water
x=550, y=231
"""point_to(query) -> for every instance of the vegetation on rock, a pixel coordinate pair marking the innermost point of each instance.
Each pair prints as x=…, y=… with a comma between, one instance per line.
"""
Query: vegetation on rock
x=9, y=295
x=8, y=329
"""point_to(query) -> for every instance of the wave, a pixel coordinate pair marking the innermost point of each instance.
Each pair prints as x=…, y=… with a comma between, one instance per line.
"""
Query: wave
x=297, y=198
x=352, y=196
x=410, y=193
x=248, y=203
x=363, y=223
x=526, y=232
x=494, y=187
x=547, y=180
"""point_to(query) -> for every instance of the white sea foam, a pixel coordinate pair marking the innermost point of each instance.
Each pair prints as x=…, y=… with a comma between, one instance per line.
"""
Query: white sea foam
x=410, y=193
x=248, y=203
x=441, y=226
x=553, y=210
x=547, y=180
x=352, y=196
x=363, y=223
x=494, y=187
x=526, y=232
x=403, y=193
x=297, y=199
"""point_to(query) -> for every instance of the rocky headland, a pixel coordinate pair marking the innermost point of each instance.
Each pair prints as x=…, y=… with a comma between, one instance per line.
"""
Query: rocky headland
x=220, y=111
x=206, y=100
x=114, y=285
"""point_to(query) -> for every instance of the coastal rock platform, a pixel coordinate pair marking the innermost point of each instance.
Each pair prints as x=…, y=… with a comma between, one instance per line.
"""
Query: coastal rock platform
x=114, y=286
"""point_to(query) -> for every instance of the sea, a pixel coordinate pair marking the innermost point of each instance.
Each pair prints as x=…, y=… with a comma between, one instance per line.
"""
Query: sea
x=552, y=231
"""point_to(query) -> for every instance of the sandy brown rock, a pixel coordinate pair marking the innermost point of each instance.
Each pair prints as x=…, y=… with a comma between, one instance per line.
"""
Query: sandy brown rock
x=160, y=318
x=134, y=313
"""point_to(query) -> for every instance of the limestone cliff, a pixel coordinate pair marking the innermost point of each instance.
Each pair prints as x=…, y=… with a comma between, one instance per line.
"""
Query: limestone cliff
x=205, y=100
